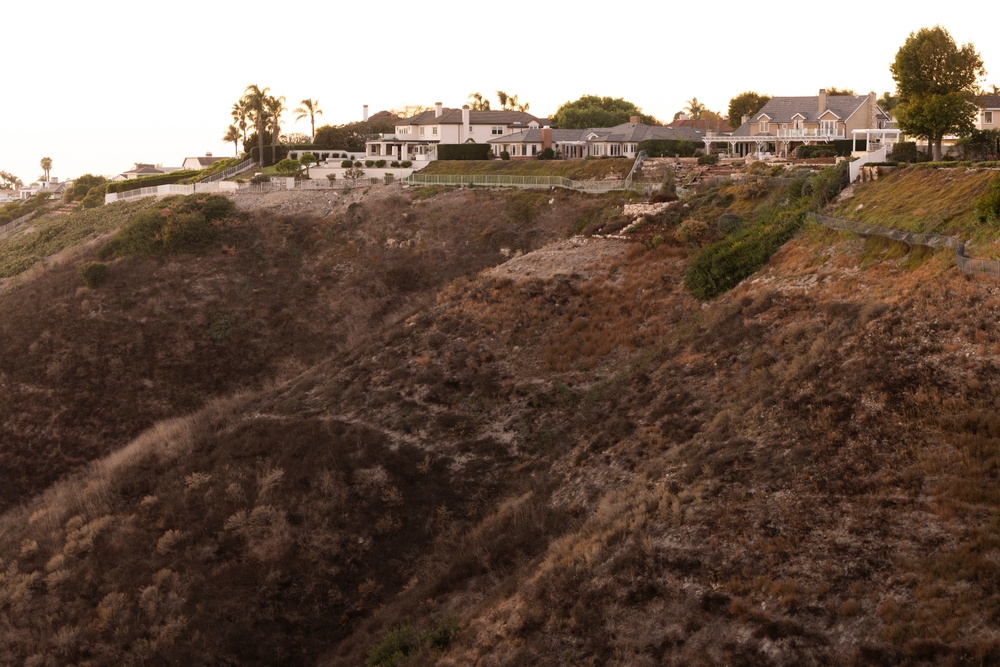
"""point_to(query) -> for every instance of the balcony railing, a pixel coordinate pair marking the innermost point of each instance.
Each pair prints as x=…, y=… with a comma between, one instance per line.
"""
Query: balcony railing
x=811, y=133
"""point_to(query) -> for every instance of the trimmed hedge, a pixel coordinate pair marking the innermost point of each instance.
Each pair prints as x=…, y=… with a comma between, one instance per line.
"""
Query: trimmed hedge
x=814, y=151
x=151, y=181
x=463, y=151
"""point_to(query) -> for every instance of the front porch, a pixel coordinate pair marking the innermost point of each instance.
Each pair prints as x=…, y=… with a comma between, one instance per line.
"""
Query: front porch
x=393, y=148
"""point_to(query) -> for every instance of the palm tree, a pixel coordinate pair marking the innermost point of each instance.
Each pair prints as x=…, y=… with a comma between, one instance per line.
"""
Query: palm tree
x=309, y=108
x=46, y=165
x=694, y=108
x=233, y=135
x=275, y=107
x=239, y=112
x=255, y=100
x=502, y=96
x=478, y=103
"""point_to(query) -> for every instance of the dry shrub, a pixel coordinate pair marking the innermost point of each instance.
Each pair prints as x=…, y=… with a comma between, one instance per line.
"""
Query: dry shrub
x=110, y=611
x=168, y=541
x=691, y=231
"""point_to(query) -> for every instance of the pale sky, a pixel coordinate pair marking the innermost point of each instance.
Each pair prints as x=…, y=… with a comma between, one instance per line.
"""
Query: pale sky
x=102, y=85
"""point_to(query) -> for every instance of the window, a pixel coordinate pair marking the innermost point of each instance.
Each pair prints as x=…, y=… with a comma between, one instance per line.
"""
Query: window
x=434, y=130
x=472, y=129
x=421, y=130
x=534, y=149
x=615, y=150
x=763, y=126
x=828, y=126
x=988, y=117
x=497, y=130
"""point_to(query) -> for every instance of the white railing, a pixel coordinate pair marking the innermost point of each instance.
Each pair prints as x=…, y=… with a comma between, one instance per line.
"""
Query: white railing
x=167, y=190
x=247, y=164
x=811, y=134
x=875, y=156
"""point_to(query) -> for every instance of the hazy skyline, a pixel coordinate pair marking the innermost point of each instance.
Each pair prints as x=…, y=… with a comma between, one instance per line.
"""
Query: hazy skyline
x=101, y=86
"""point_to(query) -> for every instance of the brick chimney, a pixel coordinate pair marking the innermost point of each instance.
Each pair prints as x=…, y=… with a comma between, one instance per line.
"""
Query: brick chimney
x=208, y=155
x=872, y=114
x=364, y=116
x=546, y=137
x=438, y=109
x=633, y=119
x=822, y=100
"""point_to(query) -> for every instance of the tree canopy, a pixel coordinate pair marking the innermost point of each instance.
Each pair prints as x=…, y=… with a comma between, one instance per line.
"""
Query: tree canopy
x=832, y=90
x=9, y=181
x=936, y=81
x=745, y=104
x=594, y=111
x=352, y=136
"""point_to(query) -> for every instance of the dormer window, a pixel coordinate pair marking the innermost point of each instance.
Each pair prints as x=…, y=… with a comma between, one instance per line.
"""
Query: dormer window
x=763, y=125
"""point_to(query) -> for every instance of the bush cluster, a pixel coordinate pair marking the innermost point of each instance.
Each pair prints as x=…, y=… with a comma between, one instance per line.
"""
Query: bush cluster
x=346, y=164
x=93, y=273
x=151, y=181
x=174, y=225
x=721, y=266
x=709, y=158
x=988, y=205
x=405, y=164
x=667, y=147
x=815, y=151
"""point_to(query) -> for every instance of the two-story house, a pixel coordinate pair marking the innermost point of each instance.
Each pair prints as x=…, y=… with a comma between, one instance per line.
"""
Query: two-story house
x=786, y=122
x=989, y=112
x=618, y=141
x=417, y=137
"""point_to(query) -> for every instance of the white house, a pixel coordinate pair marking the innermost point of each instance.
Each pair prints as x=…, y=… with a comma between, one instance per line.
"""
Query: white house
x=417, y=137
x=200, y=162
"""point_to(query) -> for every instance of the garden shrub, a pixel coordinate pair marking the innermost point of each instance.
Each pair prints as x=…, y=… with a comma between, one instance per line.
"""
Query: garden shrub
x=405, y=164
x=904, y=151
x=988, y=205
x=394, y=164
x=288, y=167
x=331, y=177
x=369, y=163
x=257, y=179
x=691, y=230
x=547, y=154
x=379, y=163
x=150, y=181
x=357, y=164
x=94, y=198
x=346, y=164
x=504, y=155
x=93, y=273
x=815, y=151
x=710, y=158
x=729, y=223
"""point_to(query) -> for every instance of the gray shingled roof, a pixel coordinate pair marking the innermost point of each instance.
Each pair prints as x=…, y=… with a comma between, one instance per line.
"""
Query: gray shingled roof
x=988, y=102
x=783, y=110
x=454, y=117
x=624, y=133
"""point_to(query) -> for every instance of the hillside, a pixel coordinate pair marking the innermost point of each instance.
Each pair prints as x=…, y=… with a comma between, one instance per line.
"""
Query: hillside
x=565, y=459
x=611, y=168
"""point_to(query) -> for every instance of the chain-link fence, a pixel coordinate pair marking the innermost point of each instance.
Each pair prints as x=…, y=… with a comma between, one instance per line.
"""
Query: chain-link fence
x=987, y=267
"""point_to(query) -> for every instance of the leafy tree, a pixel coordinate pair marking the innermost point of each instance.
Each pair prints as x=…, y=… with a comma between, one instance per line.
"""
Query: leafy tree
x=936, y=82
x=887, y=102
x=46, y=165
x=306, y=160
x=840, y=91
x=594, y=111
x=980, y=145
x=288, y=167
x=10, y=181
x=745, y=104
x=233, y=134
x=477, y=103
x=275, y=107
x=294, y=138
x=352, y=136
x=255, y=99
x=82, y=186
x=310, y=108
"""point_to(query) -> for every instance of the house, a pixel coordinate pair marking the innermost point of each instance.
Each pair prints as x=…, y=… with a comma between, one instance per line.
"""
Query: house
x=142, y=170
x=417, y=137
x=786, y=122
x=618, y=141
x=989, y=112
x=200, y=162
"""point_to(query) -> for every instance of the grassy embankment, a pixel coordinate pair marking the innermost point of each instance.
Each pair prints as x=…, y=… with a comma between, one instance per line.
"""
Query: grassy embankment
x=580, y=170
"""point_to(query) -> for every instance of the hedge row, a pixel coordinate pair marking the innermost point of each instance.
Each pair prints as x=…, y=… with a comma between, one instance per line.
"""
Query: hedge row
x=463, y=151
x=721, y=266
x=151, y=181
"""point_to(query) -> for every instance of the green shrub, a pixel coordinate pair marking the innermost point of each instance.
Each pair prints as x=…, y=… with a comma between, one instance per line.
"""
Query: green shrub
x=988, y=205
x=721, y=266
x=444, y=633
x=753, y=186
x=357, y=164
x=394, y=164
x=904, y=151
x=288, y=167
x=710, y=158
x=405, y=164
x=369, y=163
x=547, y=154
x=666, y=147
x=94, y=198
x=815, y=151
x=257, y=179
x=151, y=181
x=93, y=273
x=379, y=163
x=398, y=644
x=346, y=164
x=187, y=232
x=173, y=225
x=331, y=177
x=463, y=151
x=504, y=155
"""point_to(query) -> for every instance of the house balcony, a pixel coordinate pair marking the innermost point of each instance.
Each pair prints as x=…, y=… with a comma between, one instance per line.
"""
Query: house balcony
x=807, y=134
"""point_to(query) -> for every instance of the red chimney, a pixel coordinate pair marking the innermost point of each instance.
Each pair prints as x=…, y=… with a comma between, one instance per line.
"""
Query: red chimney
x=546, y=137
x=633, y=119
